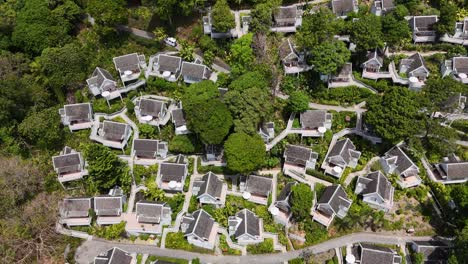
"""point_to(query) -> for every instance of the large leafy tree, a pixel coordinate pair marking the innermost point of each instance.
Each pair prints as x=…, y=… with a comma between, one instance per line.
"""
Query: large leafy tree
x=437, y=93
x=261, y=18
x=318, y=27
x=107, y=12
x=301, y=201
x=366, y=33
x=248, y=108
x=447, y=18
x=395, y=116
x=244, y=153
x=105, y=169
x=43, y=129
x=242, y=56
x=328, y=57
x=181, y=144
x=211, y=120
x=298, y=101
x=38, y=26
x=223, y=19
x=249, y=80
x=396, y=31
x=199, y=92
x=64, y=67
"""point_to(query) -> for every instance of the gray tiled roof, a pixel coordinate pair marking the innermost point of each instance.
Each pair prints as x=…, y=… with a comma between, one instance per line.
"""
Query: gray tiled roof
x=127, y=62
x=335, y=196
x=151, y=107
x=114, y=130
x=250, y=223
x=202, y=224
x=64, y=161
x=282, y=202
x=377, y=183
x=460, y=64
x=388, y=4
x=193, y=70
x=101, y=75
x=75, y=207
x=423, y=23
x=149, y=212
x=286, y=48
x=178, y=117
x=345, y=149
x=211, y=185
x=107, y=205
x=435, y=251
x=455, y=170
x=346, y=70
x=145, y=147
x=403, y=162
x=297, y=154
x=285, y=12
x=258, y=185
x=172, y=171
x=414, y=62
x=114, y=256
x=78, y=112
x=371, y=254
x=375, y=54
x=313, y=119
x=169, y=63
x=342, y=7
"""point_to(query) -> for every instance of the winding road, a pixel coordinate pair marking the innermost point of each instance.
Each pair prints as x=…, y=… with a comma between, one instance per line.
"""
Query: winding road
x=91, y=248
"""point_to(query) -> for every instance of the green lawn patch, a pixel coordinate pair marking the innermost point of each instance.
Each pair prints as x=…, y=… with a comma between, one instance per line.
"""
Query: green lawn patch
x=261, y=248
x=178, y=241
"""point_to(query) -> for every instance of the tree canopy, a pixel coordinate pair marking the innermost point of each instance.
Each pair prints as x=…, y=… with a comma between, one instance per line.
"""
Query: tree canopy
x=211, y=120
x=366, y=33
x=328, y=57
x=43, y=128
x=395, y=116
x=242, y=56
x=244, y=153
x=107, y=12
x=318, y=27
x=301, y=201
x=105, y=169
x=447, y=18
x=223, y=19
x=298, y=102
x=396, y=31
x=39, y=25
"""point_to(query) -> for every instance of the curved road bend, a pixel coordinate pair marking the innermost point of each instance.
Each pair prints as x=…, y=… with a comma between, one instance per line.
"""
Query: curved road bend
x=91, y=248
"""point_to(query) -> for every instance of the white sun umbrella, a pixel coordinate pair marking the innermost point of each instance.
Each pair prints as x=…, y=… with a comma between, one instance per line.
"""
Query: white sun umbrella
x=350, y=259
x=337, y=169
x=105, y=93
x=166, y=74
x=322, y=129
x=462, y=75
x=147, y=118
x=246, y=195
x=172, y=184
x=413, y=79
x=128, y=72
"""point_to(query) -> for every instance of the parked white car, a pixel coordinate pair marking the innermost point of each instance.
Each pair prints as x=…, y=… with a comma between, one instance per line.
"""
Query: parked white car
x=170, y=41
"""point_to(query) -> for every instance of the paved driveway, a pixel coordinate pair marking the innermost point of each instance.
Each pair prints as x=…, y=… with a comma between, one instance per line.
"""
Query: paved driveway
x=91, y=248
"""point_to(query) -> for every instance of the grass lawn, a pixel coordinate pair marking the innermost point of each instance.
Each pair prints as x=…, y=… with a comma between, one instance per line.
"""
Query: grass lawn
x=178, y=241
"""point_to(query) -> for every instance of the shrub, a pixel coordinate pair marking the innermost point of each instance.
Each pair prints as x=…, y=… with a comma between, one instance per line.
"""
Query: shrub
x=109, y=232
x=262, y=248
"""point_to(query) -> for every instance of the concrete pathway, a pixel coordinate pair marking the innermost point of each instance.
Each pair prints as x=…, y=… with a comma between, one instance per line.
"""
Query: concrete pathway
x=283, y=133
